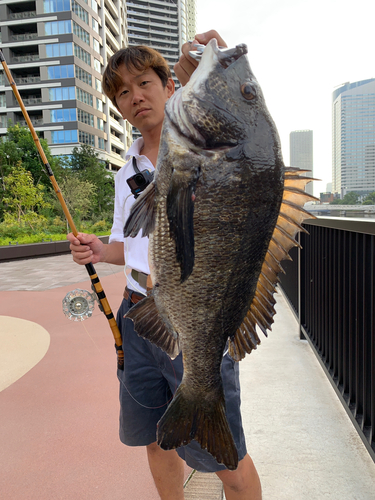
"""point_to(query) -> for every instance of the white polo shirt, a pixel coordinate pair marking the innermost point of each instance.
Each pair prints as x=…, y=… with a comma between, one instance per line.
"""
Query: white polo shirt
x=135, y=249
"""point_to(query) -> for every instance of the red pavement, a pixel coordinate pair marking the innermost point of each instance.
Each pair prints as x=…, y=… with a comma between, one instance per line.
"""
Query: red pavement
x=59, y=422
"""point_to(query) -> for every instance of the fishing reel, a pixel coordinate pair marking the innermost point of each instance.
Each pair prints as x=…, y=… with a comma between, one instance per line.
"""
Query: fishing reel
x=78, y=304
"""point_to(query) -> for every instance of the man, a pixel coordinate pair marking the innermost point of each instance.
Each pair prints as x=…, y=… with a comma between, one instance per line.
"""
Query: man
x=138, y=82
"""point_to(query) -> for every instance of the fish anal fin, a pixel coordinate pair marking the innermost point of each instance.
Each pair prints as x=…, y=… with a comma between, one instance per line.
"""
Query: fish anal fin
x=142, y=214
x=188, y=418
x=244, y=341
x=149, y=324
x=180, y=211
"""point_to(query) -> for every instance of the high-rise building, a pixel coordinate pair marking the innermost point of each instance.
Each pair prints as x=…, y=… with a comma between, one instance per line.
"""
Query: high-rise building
x=353, y=137
x=56, y=51
x=301, y=153
x=164, y=25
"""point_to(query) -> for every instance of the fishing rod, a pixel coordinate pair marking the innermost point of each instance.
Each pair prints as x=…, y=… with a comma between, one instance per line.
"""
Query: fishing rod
x=96, y=285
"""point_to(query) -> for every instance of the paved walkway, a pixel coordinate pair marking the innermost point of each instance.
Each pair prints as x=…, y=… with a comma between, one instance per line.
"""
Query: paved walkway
x=59, y=409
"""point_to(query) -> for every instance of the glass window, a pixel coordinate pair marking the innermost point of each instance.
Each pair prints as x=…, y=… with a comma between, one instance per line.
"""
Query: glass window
x=59, y=49
x=98, y=85
x=95, y=25
x=97, y=65
x=82, y=54
x=58, y=27
x=63, y=115
x=100, y=124
x=81, y=33
x=99, y=104
x=96, y=45
x=82, y=75
x=94, y=6
x=64, y=71
x=62, y=93
x=87, y=138
x=2, y=101
x=85, y=117
x=84, y=97
x=64, y=136
x=80, y=12
x=101, y=143
x=56, y=5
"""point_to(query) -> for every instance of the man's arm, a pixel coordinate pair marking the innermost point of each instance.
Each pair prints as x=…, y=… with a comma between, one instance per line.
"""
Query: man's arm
x=186, y=64
x=88, y=248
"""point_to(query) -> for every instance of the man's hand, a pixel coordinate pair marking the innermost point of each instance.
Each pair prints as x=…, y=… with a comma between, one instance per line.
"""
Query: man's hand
x=186, y=64
x=86, y=248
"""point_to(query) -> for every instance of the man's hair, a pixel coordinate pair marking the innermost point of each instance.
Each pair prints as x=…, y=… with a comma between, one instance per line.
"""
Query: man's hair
x=139, y=58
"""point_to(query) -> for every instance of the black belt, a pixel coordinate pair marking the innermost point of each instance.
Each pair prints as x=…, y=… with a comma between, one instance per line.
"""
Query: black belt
x=134, y=296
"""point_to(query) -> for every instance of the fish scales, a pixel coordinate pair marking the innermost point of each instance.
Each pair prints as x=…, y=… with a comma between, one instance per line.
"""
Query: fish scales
x=210, y=215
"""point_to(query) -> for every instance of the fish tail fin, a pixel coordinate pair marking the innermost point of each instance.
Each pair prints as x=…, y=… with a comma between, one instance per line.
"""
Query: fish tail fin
x=187, y=418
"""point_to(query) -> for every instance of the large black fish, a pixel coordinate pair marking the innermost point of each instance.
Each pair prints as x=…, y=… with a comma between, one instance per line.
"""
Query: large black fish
x=221, y=214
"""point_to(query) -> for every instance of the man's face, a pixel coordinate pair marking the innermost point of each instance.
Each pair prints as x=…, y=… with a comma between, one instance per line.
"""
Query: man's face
x=142, y=97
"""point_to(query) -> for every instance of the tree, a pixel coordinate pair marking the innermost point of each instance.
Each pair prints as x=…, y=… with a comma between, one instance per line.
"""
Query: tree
x=78, y=195
x=336, y=201
x=350, y=198
x=23, y=149
x=23, y=199
x=370, y=199
x=86, y=164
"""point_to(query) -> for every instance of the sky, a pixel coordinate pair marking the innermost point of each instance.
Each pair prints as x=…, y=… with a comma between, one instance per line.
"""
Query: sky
x=299, y=51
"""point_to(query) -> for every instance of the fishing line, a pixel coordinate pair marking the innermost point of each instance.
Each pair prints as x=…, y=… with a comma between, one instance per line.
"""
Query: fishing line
x=93, y=341
x=154, y=407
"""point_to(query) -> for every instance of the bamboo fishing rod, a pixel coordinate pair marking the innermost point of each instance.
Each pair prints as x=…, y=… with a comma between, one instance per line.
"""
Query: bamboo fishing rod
x=89, y=267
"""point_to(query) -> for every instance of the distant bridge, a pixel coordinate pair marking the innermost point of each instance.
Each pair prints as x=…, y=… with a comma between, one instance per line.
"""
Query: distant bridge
x=324, y=208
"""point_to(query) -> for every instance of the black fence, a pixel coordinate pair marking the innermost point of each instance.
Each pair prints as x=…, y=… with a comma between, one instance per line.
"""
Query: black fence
x=330, y=287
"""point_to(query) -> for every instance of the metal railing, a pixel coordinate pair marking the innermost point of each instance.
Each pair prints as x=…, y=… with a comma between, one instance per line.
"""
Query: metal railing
x=330, y=287
x=25, y=58
x=22, y=15
x=24, y=36
x=35, y=121
x=27, y=79
x=31, y=100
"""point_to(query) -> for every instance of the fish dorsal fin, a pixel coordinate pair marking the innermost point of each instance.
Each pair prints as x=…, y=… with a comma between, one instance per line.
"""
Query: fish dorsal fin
x=288, y=224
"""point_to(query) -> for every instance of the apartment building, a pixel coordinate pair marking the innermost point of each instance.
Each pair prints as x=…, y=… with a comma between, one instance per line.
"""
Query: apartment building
x=164, y=25
x=56, y=51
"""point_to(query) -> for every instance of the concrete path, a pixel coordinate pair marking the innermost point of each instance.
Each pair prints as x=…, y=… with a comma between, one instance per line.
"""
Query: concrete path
x=58, y=421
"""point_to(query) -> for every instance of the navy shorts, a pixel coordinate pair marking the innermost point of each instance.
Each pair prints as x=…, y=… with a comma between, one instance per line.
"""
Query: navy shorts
x=147, y=384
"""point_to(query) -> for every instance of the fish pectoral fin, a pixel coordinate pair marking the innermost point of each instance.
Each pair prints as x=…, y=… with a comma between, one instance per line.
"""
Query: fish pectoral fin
x=288, y=224
x=187, y=418
x=149, y=324
x=180, y=211
x=142, y=214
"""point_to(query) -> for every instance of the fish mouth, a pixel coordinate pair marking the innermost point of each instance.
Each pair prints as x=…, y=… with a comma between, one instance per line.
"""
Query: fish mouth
x=226, y=57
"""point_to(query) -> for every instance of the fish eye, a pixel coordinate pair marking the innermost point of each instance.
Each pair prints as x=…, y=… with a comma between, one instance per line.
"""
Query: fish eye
x=248, y=91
